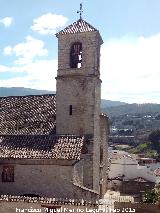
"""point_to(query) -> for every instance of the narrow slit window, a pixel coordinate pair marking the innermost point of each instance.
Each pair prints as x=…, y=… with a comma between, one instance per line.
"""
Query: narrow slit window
x=101, y=154
x=70, y=109
x=76, y=55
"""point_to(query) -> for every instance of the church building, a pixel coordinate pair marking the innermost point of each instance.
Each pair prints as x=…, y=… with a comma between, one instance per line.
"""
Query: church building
x=56, y=145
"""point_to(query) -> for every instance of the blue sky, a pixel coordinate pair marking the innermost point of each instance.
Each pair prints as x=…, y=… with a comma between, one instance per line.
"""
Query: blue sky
x=130, y=64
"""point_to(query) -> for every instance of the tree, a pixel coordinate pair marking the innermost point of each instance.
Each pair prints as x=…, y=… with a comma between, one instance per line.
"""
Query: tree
x=154, y=137
x=150, y=197
x=153, y=196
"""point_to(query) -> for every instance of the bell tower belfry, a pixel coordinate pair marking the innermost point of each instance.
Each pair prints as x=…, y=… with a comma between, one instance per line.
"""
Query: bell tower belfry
x=78, y=79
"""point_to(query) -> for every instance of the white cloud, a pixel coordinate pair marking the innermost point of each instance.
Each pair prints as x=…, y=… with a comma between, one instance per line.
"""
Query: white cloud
x=27, y=51
x=48, y=23
x=40, y=74
x=4, y=68
x=130, y=69
x=7, y=21
x=7, y=50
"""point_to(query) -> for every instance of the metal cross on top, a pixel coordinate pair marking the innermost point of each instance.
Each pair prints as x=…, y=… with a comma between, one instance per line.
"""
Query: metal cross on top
x=80, y=11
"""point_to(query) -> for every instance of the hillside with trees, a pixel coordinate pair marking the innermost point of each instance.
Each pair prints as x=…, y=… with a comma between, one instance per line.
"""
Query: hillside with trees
x=136, y=109
x=135, y=120
x=151, y=147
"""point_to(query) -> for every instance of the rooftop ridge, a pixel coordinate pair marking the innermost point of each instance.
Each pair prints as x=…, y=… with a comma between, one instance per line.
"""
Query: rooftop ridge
x=79, y=26
x=41, y=135
x=21, y=96
x=48, y=200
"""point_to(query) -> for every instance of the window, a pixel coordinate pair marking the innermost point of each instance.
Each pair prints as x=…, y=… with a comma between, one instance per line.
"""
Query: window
x=76, y=55
x=101, y=155
x=70, y=109
x=8, y=174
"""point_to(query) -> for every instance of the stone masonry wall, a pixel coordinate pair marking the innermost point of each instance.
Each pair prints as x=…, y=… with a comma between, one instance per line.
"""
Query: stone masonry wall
x=43, y=180
x=81, y=89
x=76, y=87
x=78, y=92
x=91, y=42
x=104, y=127
x=97, y=139
x=47, y=180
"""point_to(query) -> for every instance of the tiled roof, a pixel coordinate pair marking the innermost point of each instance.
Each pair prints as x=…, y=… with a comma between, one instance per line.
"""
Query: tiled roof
x=139, y=179
x=41, y=147
x=34, y=114
x=46, y=200
x=157, y=172
x=77, y=27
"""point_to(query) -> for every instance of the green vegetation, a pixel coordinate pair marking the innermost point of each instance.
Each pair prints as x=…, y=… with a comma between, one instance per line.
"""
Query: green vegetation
x=153, y=196
x=154, y=137
x=151, y=148
x=132, y=109
x=146, y=149
x=141, y=148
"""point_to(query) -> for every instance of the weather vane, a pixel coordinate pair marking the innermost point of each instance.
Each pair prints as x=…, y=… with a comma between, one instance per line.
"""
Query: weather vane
x=80, y=11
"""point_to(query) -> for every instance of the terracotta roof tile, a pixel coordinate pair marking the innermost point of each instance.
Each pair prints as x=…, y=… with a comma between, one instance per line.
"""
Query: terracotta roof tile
x=41, y=146
x=77, y=27
x=46, y=200
x=34, y=114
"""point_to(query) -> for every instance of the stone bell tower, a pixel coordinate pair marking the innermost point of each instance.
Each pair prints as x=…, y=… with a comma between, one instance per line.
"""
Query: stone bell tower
x=78, y=79
x=79, y=92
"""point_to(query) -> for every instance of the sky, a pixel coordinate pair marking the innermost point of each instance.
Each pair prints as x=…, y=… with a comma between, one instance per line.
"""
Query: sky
x=130, y=54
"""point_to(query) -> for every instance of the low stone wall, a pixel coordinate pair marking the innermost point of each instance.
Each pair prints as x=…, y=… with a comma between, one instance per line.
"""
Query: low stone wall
x=86, y=193
x=17, y=207
x=136, y=207
x=16, y=204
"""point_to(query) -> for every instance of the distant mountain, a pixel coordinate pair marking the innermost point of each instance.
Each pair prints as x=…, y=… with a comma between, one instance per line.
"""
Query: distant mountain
x=132, y=109
x=21, y=91
x=112, y=108
x=108, y=103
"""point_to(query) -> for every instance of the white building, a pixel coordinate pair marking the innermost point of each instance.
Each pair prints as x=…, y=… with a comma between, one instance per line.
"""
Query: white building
x=125, y=166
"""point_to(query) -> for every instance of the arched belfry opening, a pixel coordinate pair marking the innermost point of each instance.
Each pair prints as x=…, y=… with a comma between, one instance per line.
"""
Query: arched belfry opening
x=76, y=55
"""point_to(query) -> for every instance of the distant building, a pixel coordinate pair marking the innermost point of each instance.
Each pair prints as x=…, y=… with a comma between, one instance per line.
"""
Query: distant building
x=125, y=168
x=143, y=161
